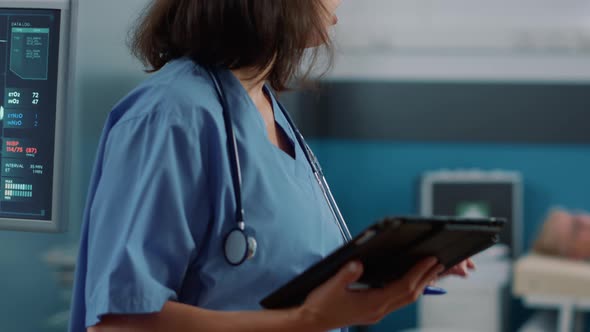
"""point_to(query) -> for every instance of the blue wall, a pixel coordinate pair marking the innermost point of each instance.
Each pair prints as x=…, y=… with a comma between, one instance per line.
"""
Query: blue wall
x=374, y=179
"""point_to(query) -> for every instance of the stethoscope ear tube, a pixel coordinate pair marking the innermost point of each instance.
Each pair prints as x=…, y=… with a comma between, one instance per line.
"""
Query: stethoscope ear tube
x=321, y=179
x=336, y=210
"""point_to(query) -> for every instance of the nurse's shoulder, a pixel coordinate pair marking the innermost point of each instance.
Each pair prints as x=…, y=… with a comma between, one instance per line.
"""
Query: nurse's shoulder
x=181, y=90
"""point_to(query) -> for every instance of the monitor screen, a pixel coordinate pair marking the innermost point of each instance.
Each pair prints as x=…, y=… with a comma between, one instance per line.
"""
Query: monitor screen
x=474, y=193
x=476, y=200
x=29, y=55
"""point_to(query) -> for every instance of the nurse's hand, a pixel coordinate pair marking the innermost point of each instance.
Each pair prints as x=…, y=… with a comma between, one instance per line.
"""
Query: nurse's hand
x=461, y=269
x=333, y=305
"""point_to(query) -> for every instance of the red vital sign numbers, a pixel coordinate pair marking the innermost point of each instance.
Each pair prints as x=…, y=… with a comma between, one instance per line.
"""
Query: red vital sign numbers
x=14, y=146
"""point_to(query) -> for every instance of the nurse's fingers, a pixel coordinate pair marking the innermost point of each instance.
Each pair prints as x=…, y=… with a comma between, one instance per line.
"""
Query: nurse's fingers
x=405, y=294
x=461, y=269
x=411, y=279
x=419, y=271
x=430, y=277
x=433, y=282
x=347, y=275
x=471, y=264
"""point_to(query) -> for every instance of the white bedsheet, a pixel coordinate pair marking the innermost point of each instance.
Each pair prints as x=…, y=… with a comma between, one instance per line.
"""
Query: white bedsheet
x=538, y=275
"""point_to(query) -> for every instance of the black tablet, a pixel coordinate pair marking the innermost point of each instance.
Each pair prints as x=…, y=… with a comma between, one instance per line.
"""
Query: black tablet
x=390, y=248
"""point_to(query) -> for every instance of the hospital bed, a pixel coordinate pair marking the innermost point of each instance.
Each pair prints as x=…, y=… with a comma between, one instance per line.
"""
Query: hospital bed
x=554, y=283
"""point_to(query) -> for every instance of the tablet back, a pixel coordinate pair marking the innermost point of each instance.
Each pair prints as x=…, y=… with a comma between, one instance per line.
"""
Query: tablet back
x=390, y=248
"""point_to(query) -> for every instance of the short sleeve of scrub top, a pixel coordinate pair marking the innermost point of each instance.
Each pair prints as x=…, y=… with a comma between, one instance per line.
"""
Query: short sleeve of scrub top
x=161, y=201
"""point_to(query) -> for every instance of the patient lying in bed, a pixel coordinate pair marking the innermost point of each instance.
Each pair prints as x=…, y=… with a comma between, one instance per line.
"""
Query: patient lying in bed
x=565, y=234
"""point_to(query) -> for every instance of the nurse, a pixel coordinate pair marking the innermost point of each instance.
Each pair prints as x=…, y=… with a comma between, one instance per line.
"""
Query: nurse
x=162, y=196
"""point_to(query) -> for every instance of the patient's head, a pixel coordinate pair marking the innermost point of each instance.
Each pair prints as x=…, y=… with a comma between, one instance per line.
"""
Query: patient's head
x=565, y=234
x=581, y=245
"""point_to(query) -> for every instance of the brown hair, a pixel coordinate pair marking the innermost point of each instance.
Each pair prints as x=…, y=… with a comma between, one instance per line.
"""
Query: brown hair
x=261, y=34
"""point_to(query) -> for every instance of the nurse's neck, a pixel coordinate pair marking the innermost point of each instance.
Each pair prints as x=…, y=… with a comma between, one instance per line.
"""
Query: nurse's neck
x=253, y=82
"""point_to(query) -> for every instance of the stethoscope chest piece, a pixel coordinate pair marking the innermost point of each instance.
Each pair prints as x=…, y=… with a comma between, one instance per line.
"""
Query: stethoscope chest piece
x=239, y=247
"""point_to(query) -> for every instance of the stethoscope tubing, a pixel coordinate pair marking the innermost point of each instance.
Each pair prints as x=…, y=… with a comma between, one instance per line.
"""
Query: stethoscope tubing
x=311, y=159
x=234, y=154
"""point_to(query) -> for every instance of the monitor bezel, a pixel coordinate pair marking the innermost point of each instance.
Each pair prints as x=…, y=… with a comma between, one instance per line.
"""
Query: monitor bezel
x=57, y=222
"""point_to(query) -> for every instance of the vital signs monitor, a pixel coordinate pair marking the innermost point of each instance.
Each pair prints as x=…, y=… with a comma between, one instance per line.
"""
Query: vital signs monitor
x=34, y=49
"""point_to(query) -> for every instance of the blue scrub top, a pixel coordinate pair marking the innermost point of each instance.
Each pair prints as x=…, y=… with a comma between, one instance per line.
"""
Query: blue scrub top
x=161, y=201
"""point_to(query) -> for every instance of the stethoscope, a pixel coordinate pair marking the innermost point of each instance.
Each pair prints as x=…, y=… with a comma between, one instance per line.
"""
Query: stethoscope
x=239, y=245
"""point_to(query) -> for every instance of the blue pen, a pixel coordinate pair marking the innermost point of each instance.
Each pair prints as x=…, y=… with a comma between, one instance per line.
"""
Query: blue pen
x=428, y=290
x=431, y=290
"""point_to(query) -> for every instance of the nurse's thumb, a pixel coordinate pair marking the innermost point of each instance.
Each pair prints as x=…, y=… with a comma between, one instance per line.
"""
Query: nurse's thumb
x=349, y=274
